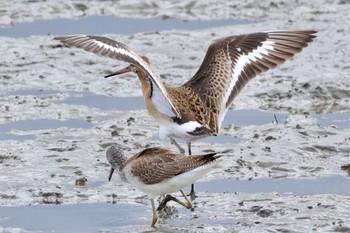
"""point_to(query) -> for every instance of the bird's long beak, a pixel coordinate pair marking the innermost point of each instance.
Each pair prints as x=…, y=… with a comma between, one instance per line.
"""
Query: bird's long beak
x=110, y=174
x=122, y=71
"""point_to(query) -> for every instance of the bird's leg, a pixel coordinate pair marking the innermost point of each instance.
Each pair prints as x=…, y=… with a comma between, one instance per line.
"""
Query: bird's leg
x=187, y=205
x=172, y=141
x=165, y=200
x=192, y=194
x=155, y=216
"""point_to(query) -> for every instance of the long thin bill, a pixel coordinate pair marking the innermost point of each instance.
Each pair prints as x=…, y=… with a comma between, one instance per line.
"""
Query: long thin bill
x=121, y=71
x=110, y=174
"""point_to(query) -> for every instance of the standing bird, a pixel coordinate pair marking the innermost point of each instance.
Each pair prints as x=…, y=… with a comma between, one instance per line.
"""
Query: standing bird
x=157, y=171
x=197, y=108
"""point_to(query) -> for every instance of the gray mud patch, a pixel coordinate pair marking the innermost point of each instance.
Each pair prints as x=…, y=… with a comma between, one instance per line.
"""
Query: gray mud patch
x=285, y=141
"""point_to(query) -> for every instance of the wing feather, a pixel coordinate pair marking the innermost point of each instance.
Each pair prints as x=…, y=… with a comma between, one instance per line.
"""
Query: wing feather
x=232, y=61
x=113, y=49
x=156, y=165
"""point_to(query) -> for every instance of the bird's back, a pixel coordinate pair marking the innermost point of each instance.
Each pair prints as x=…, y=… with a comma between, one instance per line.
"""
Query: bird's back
x=157, y=170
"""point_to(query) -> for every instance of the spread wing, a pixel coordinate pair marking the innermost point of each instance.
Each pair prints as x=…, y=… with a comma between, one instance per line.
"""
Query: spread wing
x=113, y=49
x=232, y=61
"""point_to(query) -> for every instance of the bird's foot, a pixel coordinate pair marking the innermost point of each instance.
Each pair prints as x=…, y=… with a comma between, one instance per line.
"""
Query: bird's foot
x=188, y=204
x=165, y=200
x=154, y=221
x=192, y=195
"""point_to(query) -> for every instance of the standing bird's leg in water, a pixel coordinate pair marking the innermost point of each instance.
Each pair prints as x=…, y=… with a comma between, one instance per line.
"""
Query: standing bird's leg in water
x=192, y=194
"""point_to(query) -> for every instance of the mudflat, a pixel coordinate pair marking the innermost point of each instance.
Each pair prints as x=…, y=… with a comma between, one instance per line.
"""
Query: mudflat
x=285, y=140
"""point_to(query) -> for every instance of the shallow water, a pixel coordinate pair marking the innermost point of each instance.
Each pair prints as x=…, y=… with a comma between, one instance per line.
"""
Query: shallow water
x=108, y=24
x=38, y=124
x=340, y=120
x=70, y=218
x=114, y=217
x=326, y=185
x=104, y=102
x=10, y=136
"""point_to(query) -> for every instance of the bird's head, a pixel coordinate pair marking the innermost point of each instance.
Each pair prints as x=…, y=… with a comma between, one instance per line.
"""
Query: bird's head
x=116, y=158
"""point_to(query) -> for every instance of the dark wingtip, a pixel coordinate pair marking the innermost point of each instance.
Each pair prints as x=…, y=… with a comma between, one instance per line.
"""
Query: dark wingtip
x=313, y=34
x=211, y=156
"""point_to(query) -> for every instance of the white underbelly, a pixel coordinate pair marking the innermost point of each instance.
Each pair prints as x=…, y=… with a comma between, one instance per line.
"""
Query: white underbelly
x=174, y=130
x=173, y=184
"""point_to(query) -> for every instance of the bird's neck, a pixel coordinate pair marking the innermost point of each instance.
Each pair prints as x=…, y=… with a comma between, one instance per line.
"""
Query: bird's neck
x=119, y=167
x=147, y=93
x=145, y=85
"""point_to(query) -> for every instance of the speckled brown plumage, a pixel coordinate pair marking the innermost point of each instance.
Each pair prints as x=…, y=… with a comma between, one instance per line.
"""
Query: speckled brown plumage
x=189, y=105
x=158, y=171
x=212, y=79
x=154, y=165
